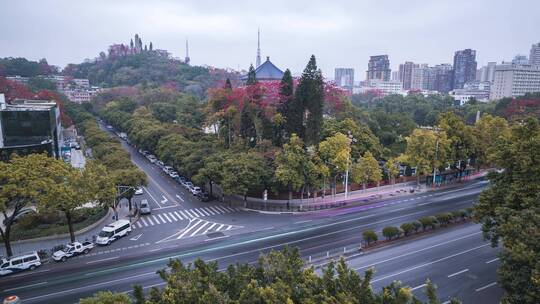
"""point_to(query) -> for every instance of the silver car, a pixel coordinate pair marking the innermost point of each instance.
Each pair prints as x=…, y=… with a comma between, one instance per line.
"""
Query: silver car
x=145, y=207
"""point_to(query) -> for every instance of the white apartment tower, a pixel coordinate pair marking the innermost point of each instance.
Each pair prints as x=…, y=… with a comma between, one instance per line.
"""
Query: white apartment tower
x=512, y=80
x=534, y=56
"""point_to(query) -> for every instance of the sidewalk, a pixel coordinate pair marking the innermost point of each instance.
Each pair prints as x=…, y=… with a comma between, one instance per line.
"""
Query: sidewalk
x=354, y=198
x=47, y=243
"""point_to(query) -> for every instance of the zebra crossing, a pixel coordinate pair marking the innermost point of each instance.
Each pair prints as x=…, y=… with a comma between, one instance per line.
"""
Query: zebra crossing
x=181, y=215
x=199, y=226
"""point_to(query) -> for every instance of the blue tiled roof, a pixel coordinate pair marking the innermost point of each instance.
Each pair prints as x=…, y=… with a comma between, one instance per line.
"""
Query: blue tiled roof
x=267, y=71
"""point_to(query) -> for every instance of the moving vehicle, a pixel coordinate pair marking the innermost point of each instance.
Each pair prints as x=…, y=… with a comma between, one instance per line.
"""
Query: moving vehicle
x=145, y=207
x=113, y=231
x=22, y=262
x=139, y=191
x=71, y=250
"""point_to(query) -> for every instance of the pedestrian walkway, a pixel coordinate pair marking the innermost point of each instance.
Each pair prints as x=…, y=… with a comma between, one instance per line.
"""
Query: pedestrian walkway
x=181, y=215
x=199, y=226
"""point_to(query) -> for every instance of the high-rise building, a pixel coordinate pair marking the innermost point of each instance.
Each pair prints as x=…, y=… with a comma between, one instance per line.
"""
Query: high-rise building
x=464, y=67
x=513, y=80
x=344, y=78
x=520, y=60
x=423, y=77
x=534, y=56
x=395, y=76
x=444, y=75
x=405, y=74
x=485, y=73
x=378, y=68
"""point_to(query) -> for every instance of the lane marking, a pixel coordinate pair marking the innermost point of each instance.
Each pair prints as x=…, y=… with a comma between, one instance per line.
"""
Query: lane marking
x=205, y=212
x=199, y=229
x=150, y=221
x=172, y=216
x=164, y=200
x=209, y=210
x=164, y=222
x=106, y=259
x=180, y=198
x=156, y=219
x=487, y=286
x=25, y=286
x=418, y=287
x=219, y=228
x=216, y=210
x=429, y=263
x=300, y=222
x=135, y=238
x=29, y=273
x=168, y=219
x=459, y=272
x=151, y=196
x=178, y=215
x=190, y=228
x=187, y=217
x=491, y=261
x=209, y=228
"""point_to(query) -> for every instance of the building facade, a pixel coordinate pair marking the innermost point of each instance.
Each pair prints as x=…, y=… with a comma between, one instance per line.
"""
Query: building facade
x=486, y=73
x=378, y=68
x=423, y=78
x=464, y=67
x=512, y=80
x=384, y=87
x=267, y=71
x=29, y=126
x=444, y=77
x=534, y=55
x=405, y=74
x=344, y=78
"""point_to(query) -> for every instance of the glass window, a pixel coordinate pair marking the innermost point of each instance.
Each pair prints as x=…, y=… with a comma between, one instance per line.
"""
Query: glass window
x=16, y=262
x=30, y=259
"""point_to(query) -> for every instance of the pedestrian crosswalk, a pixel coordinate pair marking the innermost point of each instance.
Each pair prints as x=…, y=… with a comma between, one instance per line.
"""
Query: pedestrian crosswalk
x=181, y=215
x=199, y=226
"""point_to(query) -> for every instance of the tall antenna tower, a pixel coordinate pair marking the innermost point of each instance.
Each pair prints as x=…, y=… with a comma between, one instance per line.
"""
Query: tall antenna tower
x=258, y=61
x=187, y=59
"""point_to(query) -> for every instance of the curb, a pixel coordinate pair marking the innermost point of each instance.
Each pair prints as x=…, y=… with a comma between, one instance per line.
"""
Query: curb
x=59, y=236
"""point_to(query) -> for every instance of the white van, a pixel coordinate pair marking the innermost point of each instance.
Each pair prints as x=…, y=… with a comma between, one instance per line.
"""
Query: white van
x=113, y=231
x=26, y=261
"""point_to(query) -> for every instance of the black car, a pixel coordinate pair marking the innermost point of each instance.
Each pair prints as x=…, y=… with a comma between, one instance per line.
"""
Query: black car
x=203, y=196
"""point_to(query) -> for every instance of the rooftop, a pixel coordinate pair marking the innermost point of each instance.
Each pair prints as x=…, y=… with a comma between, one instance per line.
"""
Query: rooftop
x=267, y=71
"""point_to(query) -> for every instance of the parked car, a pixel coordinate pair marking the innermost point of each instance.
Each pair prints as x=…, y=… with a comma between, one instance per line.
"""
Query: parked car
x=71, y=250
x=22, y=262
x=151, y=158
x=139, y=191
x=160, y=163
x=113, y=231
x=168, y=169
x=174, y=174
x=203, y=196
x=181, y=179
x=145, y=207
x=195, y=190
x=188, y=185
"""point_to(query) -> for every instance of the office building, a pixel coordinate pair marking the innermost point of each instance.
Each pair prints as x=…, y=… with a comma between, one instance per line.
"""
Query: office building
x=378, y=68
x=405, y=74
x=29, y=126
x=444, y=76
x=423, y=77
x=464, y=67
x=534, y=55
x=344, y=78
x=473, y=90
x=512, y=80
x=486, y=73
x=383, y=87
x=520, y=60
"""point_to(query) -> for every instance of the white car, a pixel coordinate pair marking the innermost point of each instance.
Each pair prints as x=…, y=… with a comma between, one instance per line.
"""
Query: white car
x=195, y=190
x=72, y=249
x=160, y=163
x=139, y=191
x=113, y=231
x=174, y=174
x=19, y=263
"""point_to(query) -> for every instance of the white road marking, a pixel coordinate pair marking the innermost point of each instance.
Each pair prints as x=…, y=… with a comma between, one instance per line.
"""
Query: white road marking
x=418, y=287
x=25, y=286
x=205, y=212
x=491, y=261
x=107, y=259
x=199, y=229
x=191, y=214
x=189, y=229
x=150, y=221
x=179, y=197
x=178, y=215
x=135, y=237
x=209, y=228
x=168, y=219
x=172, y=216
x=151, y=196
x=300, y=222
x=159, y=215
x=156, y=219
x=215, y=210
x=228, y=228
x=221, y=209
x=188, y=216
x=429, y=263
x=209, y=210
x=230, y=208
x=487, y=286
x=28, y=273
x=164, y=200
x=139, y=224
x=219, y=228
x=459, y=272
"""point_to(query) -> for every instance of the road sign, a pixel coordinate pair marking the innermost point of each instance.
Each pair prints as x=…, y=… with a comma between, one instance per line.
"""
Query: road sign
x=265, y=194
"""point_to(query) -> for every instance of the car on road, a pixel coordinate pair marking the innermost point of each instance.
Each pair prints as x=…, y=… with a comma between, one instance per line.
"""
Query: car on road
x=203, y=196
x=168, y=169
x=71, y=250
x=181, y=179
x=145, y=207
x=160, y=163
x=109, y=127
x=152, y=158
x=113, y=231
x=139, y=191
x=174, y=174
x=18, y=263
x=195, y=190
x=188, y=185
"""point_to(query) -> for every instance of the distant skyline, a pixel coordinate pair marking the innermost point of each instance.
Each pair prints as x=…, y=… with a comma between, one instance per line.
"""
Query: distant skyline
x=224, y=34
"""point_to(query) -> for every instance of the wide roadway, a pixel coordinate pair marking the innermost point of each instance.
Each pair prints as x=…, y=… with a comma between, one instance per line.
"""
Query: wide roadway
x=316, y=234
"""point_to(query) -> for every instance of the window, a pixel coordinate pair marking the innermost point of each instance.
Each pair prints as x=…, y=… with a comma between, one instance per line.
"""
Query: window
x=30, y=258
x=5, y=265
x=16, y=262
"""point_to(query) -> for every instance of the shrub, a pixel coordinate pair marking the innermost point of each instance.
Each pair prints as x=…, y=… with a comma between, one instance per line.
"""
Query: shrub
x=369, y=236
x=408, y=228
x=456, y=215
x=444, y=218
x=428, y=221
x=417, y=225
x=390, y=232
x=470, y=212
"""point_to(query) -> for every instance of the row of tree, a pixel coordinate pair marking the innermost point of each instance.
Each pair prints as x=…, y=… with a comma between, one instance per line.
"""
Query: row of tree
x=279, y=277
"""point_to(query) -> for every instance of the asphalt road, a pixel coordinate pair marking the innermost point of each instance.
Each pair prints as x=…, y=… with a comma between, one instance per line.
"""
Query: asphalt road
x=183, y=227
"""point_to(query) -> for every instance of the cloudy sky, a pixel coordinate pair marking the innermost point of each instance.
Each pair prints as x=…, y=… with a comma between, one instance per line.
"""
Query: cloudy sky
x=224, y=33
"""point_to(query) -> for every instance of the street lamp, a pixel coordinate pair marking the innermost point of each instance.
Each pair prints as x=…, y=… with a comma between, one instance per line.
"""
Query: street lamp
x=351, y=140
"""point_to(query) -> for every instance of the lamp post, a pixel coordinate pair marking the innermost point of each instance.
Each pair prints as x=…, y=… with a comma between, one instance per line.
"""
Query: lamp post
x=351, y=140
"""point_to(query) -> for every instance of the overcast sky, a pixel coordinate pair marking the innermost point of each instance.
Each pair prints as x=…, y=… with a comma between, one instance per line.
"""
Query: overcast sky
x=224, y=33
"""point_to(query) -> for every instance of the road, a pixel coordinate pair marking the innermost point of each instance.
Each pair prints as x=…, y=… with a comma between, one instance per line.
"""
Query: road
x=182, y=227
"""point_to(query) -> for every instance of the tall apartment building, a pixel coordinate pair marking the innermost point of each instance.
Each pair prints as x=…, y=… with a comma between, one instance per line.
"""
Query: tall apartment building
x=486, y=73
x=405, y=73
x=534, y=56
x=515, y=80
x=378, y=68
x=423, y=77
x=520, y=60
x=464, y=67
x=344, y=78
x=444, y=77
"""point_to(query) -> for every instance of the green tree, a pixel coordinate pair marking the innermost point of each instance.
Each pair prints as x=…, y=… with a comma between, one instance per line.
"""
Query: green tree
x=366, y=170
x=310, y=94
x=392, y=167
x=251, y=76
x=363, y=139
x=390, y=232
x=369, y=236
x=291, y=108
x=335, y=153
x=460, y=137
x=487, y=131
x=21, y=179
x=127, y=181
x=290, y=163
x=107, y=297
x=509, y=211
x=408, y=228
x=211, y=172
x=243, y=172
